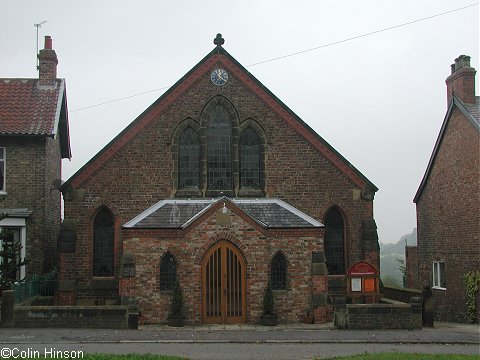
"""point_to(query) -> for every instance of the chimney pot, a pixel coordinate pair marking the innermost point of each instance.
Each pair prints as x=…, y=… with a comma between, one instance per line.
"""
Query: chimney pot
x=47, y=67
x=461, y=82
x=48, y=42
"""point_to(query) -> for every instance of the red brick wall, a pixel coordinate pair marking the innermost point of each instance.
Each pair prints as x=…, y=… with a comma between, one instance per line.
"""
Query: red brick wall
x=448, y=216
x=140, y=173
x=31, y=166
x=411, y=267
x=257, y=248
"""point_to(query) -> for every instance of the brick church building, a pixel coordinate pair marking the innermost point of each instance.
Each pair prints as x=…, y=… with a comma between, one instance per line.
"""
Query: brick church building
x=220, y=185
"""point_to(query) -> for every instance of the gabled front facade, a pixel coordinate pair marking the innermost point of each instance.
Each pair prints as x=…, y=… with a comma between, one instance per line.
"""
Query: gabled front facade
x=33, y=140
x=218, y=133
x=448, y=201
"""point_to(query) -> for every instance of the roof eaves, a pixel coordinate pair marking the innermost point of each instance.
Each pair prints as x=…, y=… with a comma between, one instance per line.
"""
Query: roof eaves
x=216, y=51
x=144, y=214
x=301, y=122
x=58, y=110
x=158, y=205
x=434, y=152
x=282, y=204
x=466, y=113
x=139, y=117
x=299, y=213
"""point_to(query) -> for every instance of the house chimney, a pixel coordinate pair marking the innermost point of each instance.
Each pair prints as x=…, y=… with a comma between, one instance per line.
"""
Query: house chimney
x=47, y=66
x=461, y=82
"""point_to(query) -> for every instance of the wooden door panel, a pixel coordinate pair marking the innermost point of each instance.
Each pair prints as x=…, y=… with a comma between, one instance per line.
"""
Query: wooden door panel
x=223, y=285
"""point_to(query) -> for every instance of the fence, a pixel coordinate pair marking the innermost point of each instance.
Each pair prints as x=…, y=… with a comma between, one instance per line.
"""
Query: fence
x=39, y=285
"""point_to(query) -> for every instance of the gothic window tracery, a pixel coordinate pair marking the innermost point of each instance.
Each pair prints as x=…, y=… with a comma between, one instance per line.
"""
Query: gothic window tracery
x=188, y=159
x=278, y=273
x=103, y=243
x=219, y=157
x=250, y=159
x=334, y=242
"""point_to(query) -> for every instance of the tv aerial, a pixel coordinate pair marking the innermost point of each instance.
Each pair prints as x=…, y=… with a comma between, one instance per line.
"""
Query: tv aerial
x=39, y=25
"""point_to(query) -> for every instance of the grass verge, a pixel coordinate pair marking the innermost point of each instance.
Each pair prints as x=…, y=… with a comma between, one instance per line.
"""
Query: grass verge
x=405, y=356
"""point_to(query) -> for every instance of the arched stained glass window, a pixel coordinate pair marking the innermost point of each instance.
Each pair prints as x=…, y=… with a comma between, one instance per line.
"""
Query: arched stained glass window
x=219, y=159
x=250, y=159
x=188, y=159
x=103, y=243
x=278, y=274
x=168, y=272
x=334, y=242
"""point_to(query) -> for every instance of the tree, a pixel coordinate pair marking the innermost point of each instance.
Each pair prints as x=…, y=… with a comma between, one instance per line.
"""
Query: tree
x=389, y=280
x=403, y=269
x=268, y=302
x=176, y=308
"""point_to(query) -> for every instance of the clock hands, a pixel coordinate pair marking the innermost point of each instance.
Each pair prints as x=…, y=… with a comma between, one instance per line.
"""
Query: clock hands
x=219, y=76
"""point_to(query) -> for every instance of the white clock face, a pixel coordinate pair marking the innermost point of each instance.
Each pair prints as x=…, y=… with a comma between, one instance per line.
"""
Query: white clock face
x=219, y=77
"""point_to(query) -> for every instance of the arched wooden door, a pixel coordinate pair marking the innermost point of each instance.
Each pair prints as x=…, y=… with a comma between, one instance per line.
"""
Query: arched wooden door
x=223, y=285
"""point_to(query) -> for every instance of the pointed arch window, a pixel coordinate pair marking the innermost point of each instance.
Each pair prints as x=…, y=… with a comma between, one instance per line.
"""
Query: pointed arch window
x=278, y=273
x=219, y=153
x=334, y=242
x=188, y=159
x=250, y=149
x=168, y=272
x=103, y=243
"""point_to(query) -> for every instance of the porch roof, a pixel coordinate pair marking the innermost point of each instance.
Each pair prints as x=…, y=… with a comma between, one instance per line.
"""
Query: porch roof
x=176, y=213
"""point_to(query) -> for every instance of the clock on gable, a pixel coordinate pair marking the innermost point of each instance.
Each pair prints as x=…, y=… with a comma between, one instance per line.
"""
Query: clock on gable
x=219, y=77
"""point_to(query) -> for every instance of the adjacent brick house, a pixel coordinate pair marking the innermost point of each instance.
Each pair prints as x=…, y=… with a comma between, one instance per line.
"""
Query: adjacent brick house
x=33, y=141
x=448, y=200
x=220, y=185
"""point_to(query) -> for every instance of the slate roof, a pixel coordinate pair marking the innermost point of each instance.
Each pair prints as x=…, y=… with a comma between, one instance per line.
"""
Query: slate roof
x=268, y=212
x=172, y=215
x=471, y=113
x=274, y=214
x=474, y=109
x=29, y=109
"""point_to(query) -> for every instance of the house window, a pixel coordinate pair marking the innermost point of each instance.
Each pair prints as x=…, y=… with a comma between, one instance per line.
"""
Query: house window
x=188, y=159
x=439, y=275
x=103, y=243
x=2, y=169
x=219, y=159
x=250, y=159
x=168, y=272
x=334, y=242
x=278, y=274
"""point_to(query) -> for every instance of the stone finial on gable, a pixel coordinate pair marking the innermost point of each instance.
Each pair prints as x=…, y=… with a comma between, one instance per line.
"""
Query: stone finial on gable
x=219, y=40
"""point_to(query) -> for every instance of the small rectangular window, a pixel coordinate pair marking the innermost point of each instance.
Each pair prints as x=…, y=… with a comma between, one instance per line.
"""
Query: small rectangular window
x=2, y=169
x=439, y=275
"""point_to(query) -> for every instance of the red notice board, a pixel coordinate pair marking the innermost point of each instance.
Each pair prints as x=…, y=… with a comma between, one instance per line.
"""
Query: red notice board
x=363, y=281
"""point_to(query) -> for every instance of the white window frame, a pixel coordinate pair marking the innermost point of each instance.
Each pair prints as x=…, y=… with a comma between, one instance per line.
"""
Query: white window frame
x=438, y=275
x=3, y=163
x=17, y=223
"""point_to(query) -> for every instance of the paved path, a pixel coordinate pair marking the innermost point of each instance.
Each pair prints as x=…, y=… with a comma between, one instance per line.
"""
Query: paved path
x=247, y=341
x=443, y=333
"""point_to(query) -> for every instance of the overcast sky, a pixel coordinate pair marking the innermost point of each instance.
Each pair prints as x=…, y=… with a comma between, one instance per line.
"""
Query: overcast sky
x=379, y=100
